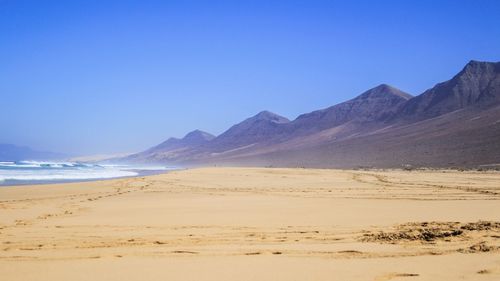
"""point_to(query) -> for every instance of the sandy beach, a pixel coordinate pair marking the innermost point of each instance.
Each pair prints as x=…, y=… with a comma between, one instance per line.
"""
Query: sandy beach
x=256, y=224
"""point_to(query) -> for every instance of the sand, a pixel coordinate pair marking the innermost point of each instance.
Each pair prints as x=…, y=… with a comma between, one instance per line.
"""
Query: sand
x=256, y=224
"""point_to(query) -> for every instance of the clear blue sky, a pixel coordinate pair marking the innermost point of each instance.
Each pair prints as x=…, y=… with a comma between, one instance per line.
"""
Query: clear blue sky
x=89, y=77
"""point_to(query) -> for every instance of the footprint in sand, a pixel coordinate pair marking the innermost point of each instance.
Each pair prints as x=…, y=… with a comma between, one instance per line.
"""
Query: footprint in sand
x=494, y=270
x=393, y=275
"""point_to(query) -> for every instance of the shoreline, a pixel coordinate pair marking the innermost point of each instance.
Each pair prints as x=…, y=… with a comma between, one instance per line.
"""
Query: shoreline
x=146, y=173
x=140, y=173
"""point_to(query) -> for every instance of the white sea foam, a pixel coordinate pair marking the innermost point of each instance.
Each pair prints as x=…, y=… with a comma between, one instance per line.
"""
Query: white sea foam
x=60, y=171
x=84, y=175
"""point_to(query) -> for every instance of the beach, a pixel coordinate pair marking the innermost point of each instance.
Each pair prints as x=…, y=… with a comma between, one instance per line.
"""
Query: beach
x=256, y=224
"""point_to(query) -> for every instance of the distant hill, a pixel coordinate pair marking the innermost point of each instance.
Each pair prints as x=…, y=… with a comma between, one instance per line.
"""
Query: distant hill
x=10, y=152
x=171, y=148
x=192, y=139
x=257, y=129
x=455, y=123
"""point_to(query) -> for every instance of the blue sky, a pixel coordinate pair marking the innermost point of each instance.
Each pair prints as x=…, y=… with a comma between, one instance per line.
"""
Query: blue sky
x=88, y=77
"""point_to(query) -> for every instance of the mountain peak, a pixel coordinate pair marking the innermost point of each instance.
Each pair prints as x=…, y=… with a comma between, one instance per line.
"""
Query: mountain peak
x=375, y=104
x=385, y=90
x=478, y=62
x=258, y=128
x=475, y=67
x=198, y=135
x=190, y=140
x=476, y=84
x=269, y=116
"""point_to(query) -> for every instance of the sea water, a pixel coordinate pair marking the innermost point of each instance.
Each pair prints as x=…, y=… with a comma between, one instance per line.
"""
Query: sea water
x=32, y=172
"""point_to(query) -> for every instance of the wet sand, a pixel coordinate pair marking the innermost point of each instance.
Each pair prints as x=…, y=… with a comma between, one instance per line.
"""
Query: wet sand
x=256, y=224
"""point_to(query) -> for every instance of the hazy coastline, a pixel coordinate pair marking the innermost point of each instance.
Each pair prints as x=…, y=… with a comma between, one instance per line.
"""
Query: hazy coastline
x=29, y=172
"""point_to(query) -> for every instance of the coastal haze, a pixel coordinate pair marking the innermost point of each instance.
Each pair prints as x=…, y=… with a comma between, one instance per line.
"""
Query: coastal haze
x=249, y=140
x=38, y=172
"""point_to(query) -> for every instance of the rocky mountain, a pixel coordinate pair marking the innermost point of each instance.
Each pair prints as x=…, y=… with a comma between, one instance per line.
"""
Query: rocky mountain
x=10, y=152
x=194, y=138
x=172, y=148
x=455, y=123
x=259, y=129
x=477, y=84
x=267, y=128
x=464, y=138
x=376, y=104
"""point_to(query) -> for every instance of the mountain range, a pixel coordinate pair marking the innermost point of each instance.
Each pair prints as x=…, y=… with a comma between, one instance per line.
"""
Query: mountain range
x=454, y=124
x=10, y=152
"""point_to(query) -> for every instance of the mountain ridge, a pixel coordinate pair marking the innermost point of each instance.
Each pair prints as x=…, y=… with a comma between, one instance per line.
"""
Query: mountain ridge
x=364, y=120
x=477, y=83
x=171, y=147
x=255, y=129
x=375, y=104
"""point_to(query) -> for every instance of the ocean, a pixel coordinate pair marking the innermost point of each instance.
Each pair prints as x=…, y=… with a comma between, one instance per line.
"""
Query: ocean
x=38, y=172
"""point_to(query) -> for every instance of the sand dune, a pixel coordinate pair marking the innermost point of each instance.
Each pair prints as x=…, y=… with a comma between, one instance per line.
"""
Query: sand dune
x=256, y=224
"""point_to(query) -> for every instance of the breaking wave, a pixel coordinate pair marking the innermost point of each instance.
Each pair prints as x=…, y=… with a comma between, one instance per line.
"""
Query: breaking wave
x=66, y=171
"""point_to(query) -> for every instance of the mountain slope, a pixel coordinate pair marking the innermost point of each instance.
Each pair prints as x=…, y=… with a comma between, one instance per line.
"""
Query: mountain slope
x=374, y=105
x=257, y=129
x=477, y=84
x=194, y=138
x=464, y=130
x=267, y=128
x=171, y=148
x=463, y=138
x=456, y=123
